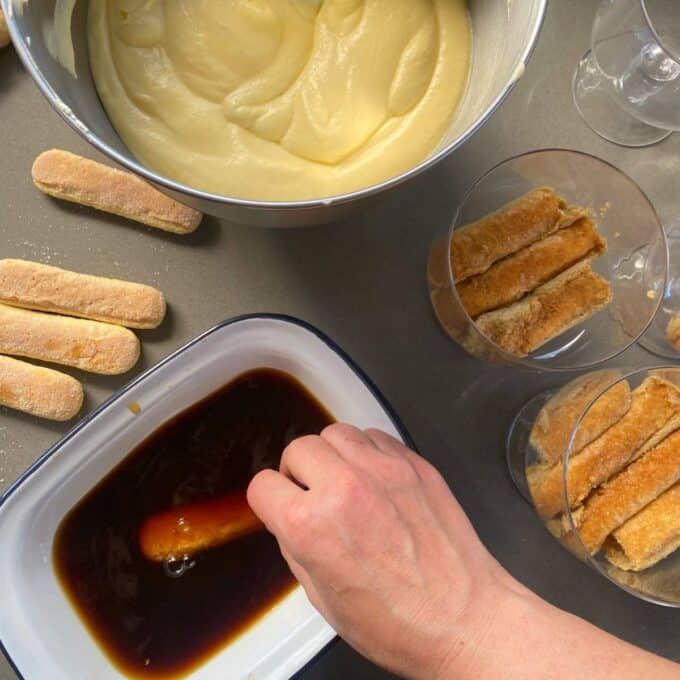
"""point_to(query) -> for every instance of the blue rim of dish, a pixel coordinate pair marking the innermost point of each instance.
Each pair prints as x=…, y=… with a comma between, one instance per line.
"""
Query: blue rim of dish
x=130, y=163
x=284, y=318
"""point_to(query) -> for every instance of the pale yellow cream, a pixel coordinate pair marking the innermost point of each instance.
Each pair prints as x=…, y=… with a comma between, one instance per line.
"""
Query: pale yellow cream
x=280, y=99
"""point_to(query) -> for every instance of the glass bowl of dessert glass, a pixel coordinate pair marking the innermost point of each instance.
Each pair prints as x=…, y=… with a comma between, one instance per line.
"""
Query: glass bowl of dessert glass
x=599, y=460
x=556, y=260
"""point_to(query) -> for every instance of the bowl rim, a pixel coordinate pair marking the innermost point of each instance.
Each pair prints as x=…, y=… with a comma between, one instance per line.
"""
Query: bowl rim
x=528, y=362
x=309, y=204
x=375, y=392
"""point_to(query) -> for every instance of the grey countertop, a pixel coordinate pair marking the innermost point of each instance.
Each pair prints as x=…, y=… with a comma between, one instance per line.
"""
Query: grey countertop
x=362, y=282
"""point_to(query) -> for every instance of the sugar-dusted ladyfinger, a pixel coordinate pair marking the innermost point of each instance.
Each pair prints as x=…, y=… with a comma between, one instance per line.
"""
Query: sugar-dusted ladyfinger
x=655, y=403
x=673, y=332
x=49, y=289
x=531, y=217
x=552, y=309
x=623, y=496
x=514, y=276
x=555, y=422
x=80, y=180
x=650, y=536
x=89, y=345
x=39, y=391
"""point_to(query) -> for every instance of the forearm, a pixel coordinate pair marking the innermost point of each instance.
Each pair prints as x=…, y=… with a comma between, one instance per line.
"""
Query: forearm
x=521, y=636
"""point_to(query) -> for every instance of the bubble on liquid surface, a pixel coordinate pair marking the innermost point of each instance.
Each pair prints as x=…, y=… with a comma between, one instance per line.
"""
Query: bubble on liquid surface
x=175, y=567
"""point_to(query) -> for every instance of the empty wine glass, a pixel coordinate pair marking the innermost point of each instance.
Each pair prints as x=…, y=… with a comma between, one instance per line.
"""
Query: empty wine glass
x=627, y=86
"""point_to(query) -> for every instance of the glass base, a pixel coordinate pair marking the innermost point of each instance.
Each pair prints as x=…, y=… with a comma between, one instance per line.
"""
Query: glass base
x=655, y=340
x=603, y=115
x=517, y=443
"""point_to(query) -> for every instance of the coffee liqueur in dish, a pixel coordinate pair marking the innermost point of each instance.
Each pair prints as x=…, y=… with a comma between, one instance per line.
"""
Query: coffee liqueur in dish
x=164, y=619
x=280, y=99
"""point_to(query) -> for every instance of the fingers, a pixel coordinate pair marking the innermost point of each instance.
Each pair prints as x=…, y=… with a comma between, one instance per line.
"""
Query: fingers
x=353, y=445
x=311, y=462
x=391, y=446
x=386, y=443
x=376, y=454
x=269, y=495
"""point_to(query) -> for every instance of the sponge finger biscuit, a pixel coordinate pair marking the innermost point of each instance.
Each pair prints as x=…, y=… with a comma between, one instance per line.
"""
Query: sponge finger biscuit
x=511, y=278
x=39, y=391
x=4, y=32
x=630, y=491
x=654, y=404
x=556, y=421
x=673, y=332
x=72, y=178
x=552, y=309
x=89, y=345
x=540, y=212
x=654, y=533
x=50, y=289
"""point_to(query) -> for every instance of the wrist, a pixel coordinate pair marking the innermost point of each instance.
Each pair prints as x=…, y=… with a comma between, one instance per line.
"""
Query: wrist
x=484, y=627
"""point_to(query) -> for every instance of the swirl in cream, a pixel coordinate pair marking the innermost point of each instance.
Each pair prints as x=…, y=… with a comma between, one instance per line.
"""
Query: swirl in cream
x=280, y=99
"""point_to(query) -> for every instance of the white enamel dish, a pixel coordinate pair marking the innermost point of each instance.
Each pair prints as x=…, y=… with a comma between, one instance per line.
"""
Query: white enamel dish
x=40, y=632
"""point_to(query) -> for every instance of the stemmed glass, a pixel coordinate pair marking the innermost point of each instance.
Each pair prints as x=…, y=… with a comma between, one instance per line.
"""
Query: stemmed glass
x=635, y=263
x=656, y=340
x=632, y=543
x=627, y=86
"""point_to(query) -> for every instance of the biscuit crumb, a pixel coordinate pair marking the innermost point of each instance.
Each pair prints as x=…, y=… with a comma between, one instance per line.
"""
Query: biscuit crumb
x=606, y=207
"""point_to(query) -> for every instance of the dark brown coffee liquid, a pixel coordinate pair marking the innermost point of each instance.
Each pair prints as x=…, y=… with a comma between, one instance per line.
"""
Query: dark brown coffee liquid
x=156, y=620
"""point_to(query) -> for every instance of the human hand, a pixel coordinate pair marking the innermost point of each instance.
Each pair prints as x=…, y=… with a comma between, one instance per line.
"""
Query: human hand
x=382, y=548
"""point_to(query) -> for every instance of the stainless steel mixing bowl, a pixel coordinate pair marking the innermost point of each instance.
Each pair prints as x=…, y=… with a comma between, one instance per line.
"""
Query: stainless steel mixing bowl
x=505, y=32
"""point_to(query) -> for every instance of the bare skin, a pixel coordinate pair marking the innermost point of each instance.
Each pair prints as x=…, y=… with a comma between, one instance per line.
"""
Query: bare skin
x=385, y=553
